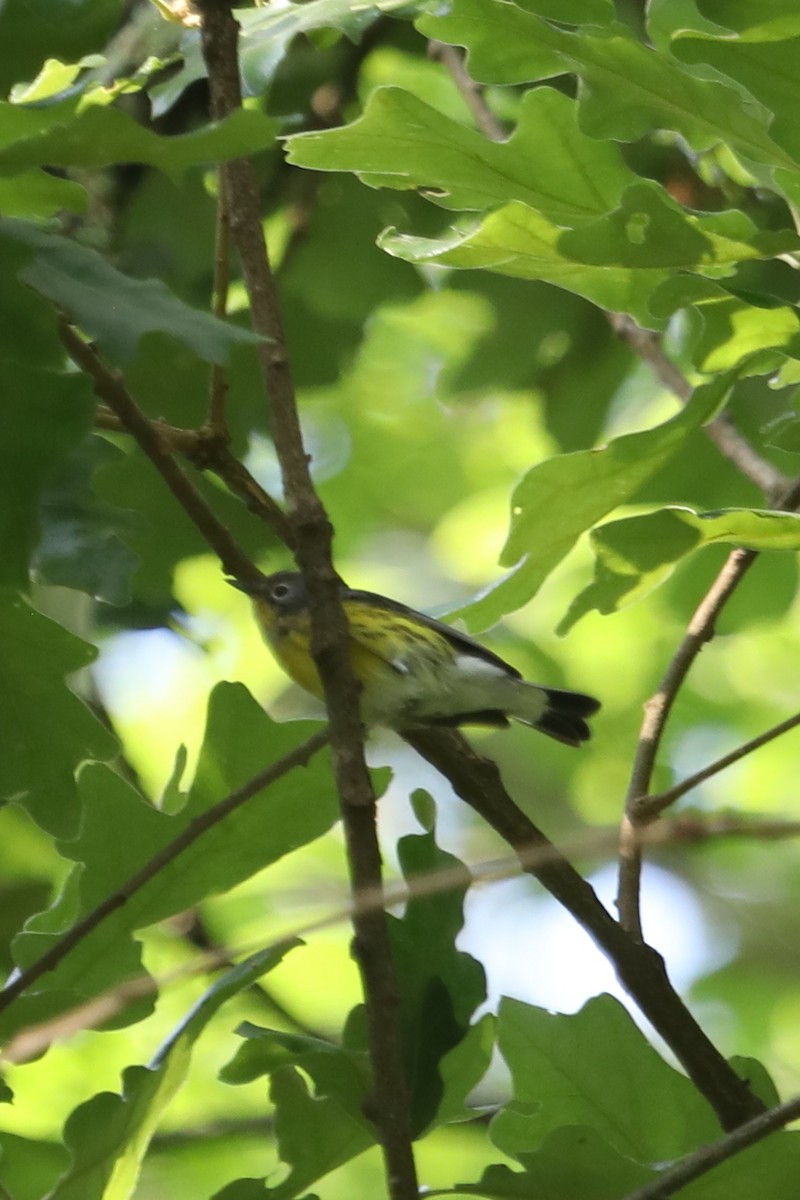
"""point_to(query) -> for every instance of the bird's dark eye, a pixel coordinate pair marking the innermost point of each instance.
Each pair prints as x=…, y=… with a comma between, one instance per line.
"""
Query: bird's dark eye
x=280, y=591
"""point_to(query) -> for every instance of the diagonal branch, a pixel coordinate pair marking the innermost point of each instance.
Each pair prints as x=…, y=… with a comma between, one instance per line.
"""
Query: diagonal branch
x=722, y=432
x=657, y=709
x=201, y=447
x=109, y=387
x=195, y=829
x=707, y=1157
x=452, y=60
x=639, y=968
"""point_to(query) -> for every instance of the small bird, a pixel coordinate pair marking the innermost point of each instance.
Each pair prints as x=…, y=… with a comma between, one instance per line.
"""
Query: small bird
x=413, y=669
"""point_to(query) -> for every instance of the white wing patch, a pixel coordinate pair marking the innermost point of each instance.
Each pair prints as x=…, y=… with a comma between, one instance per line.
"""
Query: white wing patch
x=469, y=666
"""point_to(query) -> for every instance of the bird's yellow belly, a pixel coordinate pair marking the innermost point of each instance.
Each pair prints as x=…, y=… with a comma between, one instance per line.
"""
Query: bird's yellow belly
x=290, y=648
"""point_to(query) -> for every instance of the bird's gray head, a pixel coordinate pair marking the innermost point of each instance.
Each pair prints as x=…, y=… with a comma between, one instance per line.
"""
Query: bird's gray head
x=285, y=591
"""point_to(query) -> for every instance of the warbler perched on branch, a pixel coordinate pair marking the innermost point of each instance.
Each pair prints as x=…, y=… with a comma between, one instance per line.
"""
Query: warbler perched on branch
x=413, y=669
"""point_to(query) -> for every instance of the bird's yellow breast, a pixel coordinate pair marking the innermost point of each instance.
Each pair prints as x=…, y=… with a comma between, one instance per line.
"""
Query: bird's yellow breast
x=391, y=654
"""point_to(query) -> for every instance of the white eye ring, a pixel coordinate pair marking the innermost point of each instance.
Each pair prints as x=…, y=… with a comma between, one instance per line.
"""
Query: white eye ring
x=280, y=591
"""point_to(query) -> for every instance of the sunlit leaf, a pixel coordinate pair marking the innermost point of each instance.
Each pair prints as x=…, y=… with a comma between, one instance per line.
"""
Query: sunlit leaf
x=240, y=741
x=626, y=87
x=547, y=163
x=560, y=498
x=636, y=554
x=109, y=1134
x=618, y=261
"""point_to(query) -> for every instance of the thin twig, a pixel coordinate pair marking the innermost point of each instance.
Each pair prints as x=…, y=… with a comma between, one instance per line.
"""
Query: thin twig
x=218, y=388
x=649, y=807
x=722, y=432
x=472, y=92
x=389, y=1102
x=639, y=967
x=707, y=1157
x=681, y=830
x=109, y=387
x=700, y=630
x=195, y=829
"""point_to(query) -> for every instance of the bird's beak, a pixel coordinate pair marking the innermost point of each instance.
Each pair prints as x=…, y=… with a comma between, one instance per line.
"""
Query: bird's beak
x=243, y=585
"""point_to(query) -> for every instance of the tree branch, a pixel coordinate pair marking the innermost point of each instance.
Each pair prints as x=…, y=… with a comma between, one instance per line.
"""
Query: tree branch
x=472, y=92
x=722, y=432
x=389, y=1106
x=707, y=1157
x=639, y=967
x=205, y=450
x=218, y=389
x=700, y=630
x=650, y=807
x=195, y=829
x=109, y=387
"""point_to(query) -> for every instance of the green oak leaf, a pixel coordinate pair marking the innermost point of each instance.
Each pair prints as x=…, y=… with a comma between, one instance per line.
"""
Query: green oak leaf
x=96, y=136
x=108, y=1135
x=636, y=554
x=560, y=498
x=626, y=87
x=547, y=163
x=47, y=732
x=594, y=1068
x=121, y=832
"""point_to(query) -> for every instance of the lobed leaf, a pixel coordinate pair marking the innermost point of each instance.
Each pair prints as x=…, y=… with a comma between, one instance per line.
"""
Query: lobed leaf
x=547, y=163
x=265, y=37
x=315, y=1132
x=240, y=740
x=47, y=732
x=619, y=261
x=572, y=1161
x=562, y=497
x=595, y=1069
x=108, y=1135
x=80, y=544
x=65, y=135
x=627, y=88
x=634, y=555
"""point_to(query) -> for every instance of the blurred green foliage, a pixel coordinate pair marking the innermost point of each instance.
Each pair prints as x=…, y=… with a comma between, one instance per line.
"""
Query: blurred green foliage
x=464, y=397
